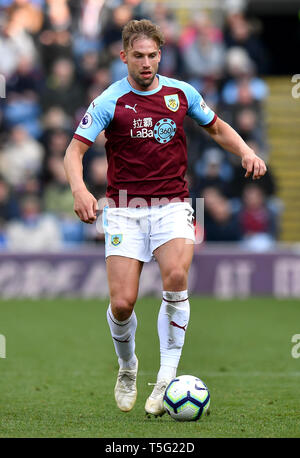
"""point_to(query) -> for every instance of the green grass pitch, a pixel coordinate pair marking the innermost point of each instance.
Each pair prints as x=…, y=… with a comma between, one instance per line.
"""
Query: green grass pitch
x=60, y=369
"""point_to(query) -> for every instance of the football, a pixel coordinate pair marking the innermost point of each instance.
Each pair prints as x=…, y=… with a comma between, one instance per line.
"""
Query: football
x=187, y=398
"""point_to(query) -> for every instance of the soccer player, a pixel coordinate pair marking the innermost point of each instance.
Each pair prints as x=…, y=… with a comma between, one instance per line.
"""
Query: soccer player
x=148, y=214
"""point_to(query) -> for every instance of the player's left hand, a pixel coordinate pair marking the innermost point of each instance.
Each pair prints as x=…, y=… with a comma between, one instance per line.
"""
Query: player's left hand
x=254, y=165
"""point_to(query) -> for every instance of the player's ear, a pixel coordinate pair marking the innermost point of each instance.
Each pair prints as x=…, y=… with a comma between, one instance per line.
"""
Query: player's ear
x=159, y=55
x=123, y=56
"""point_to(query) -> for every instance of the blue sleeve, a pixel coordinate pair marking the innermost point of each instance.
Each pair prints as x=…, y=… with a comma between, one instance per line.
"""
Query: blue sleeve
x=101, y=111
x=97, y=118
x=198, y=110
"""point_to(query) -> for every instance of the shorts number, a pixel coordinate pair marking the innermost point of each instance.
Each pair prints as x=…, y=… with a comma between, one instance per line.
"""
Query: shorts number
x=190, y=217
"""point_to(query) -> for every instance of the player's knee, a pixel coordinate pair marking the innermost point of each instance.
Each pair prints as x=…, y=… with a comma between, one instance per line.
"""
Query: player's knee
x=122, y=308
x=176, y=278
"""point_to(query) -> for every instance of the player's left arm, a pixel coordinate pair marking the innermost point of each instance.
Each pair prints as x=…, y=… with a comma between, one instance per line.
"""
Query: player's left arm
x=231, y=141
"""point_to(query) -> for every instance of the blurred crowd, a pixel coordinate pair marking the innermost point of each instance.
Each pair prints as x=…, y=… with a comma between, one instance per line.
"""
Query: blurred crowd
x=58, y=55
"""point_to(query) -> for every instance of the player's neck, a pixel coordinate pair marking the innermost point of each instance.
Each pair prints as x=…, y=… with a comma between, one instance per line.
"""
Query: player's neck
x=136, y=86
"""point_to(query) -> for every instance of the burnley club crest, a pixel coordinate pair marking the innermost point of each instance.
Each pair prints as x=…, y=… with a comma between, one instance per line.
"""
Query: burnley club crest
x=172, y=102
x=116, y=239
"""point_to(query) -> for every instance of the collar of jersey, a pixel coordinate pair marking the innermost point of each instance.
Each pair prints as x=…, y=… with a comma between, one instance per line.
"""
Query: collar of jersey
x=158, y=88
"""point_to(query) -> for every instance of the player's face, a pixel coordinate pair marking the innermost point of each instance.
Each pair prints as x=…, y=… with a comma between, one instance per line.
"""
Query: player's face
x=142, y=60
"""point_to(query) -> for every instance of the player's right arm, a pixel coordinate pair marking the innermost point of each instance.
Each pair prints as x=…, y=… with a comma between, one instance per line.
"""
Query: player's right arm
x=96, y=119
x=85, y=204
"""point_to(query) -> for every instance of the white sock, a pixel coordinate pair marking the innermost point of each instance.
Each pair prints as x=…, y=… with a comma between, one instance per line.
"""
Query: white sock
x=123, y=334
x=172, y=322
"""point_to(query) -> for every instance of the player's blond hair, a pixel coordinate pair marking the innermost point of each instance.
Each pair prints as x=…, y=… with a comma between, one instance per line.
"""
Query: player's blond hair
x=144, y=28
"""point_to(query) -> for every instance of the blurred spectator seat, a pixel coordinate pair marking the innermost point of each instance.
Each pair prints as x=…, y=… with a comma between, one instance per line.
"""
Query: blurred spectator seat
x=62, y=89
x=35, y=230
x=220, y=222
x=240, y=32
x=212, y=170
x=9, y=206
x=242, y=85
x=259, y=223
x=21, y=158
x=203, y=57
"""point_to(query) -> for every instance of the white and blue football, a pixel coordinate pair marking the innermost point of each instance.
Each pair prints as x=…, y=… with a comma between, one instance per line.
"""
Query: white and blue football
x=187, y=398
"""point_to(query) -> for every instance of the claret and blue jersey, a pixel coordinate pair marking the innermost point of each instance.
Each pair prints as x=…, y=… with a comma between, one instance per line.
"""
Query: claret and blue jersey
x=146, y=145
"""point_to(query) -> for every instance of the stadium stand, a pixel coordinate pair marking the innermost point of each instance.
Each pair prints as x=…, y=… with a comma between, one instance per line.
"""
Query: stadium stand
x=57, y=56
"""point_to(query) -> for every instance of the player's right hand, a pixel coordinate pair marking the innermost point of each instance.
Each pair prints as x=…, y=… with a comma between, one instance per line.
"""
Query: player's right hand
x=85, y=206
x=253, y=165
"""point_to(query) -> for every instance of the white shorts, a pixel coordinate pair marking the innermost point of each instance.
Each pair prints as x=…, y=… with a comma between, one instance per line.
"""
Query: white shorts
x=137, y=232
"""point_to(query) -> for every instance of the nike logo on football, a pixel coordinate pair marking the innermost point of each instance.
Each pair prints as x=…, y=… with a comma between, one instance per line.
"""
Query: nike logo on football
x=177, y=325
x=131, y=108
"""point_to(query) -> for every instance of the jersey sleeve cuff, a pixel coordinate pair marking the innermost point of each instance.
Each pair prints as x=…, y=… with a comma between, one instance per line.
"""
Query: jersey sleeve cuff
x=83, y=139
x=211, y=122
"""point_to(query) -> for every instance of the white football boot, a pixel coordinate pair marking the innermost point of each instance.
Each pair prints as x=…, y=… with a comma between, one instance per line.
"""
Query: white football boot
x=155, y=402
x=125, y=389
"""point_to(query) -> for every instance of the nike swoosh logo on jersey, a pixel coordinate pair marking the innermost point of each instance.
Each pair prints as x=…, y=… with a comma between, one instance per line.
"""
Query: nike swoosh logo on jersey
x=131, y=108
